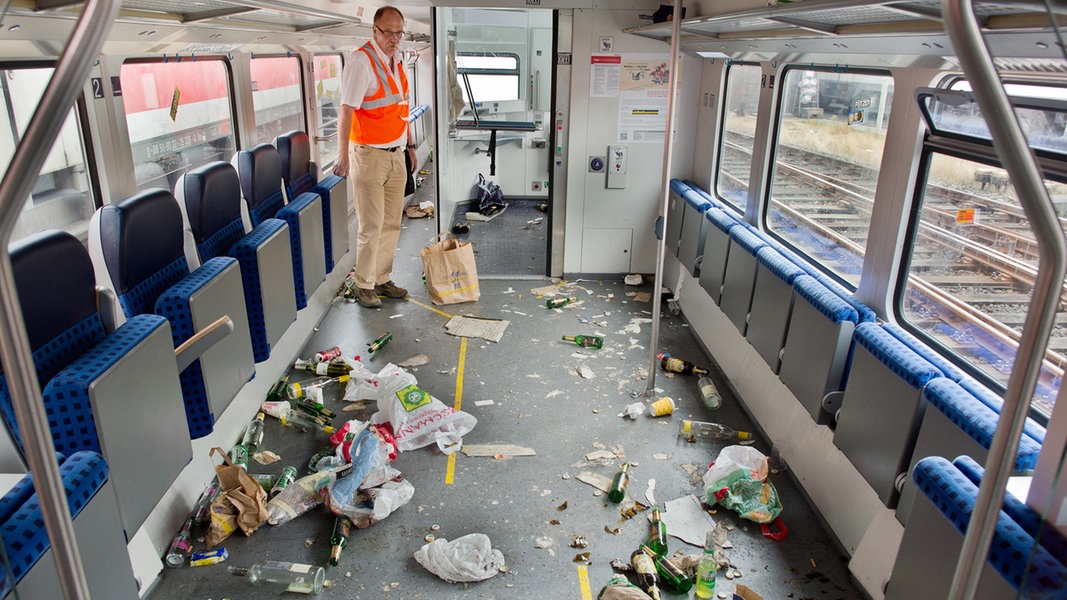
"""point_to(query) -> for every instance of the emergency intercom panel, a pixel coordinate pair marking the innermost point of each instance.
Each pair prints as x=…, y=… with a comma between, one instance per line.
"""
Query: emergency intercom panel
x=618, y=158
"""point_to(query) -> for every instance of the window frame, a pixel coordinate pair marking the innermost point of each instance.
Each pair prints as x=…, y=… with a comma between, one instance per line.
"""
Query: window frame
x=517, y=71
x=722, y=136
x=300, y=87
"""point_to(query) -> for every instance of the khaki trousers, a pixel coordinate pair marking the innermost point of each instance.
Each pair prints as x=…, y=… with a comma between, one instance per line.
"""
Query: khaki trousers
x=377, y=182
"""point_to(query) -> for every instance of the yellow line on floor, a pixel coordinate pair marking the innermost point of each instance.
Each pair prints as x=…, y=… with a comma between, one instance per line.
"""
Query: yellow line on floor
x=450, y=470
x=428, y=307
x=583, y=582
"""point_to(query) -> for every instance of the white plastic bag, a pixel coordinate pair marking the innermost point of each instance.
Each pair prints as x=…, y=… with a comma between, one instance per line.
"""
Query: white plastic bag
x=366, y=506
x=417, y=418
x=468, y=558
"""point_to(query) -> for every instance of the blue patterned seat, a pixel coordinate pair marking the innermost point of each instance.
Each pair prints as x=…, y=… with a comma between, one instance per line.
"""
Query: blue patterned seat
x=259, y=171
x=139, y=246
x=210, y=198
x=91, y=502
x=300, y=176
x=118, y=393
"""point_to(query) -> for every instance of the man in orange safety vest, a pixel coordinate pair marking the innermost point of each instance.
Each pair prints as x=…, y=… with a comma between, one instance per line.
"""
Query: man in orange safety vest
x=374, y=115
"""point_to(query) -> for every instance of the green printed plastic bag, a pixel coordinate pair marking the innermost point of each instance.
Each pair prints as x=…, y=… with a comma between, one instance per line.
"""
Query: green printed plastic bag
x=738, y=481
x=620, y=588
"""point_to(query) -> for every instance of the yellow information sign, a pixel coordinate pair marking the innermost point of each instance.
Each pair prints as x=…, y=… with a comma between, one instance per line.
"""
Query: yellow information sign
x=174, y=103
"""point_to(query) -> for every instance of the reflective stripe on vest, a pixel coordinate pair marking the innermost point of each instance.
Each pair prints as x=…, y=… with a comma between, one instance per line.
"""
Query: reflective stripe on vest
x=382, y=117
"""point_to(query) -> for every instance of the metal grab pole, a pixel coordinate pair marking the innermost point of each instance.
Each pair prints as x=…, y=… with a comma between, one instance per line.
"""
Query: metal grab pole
x=69, y=77
x=1014, y=152
x=665, y=191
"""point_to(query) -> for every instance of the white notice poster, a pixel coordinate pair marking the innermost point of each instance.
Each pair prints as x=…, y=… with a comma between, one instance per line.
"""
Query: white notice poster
x=604, y=75
x=644, y=88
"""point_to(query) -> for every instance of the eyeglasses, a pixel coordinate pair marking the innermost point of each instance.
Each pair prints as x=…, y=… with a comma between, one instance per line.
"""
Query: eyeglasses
x=395, y=34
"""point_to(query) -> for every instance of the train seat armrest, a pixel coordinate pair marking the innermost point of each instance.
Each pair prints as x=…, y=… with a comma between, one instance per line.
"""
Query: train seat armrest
x=203, y=340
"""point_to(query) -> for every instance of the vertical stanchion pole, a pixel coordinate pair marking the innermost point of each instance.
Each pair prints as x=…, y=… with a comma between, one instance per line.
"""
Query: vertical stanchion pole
x=665, y=191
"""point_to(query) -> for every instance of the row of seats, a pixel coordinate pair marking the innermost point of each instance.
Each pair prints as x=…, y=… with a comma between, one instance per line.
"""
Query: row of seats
x=142, y=340
x=872, y=382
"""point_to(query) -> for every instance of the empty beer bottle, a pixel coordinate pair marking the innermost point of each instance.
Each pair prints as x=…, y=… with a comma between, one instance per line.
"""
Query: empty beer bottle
x=646, y=573
x=301, y=422
x=617, y=491
x=342, y=525
x=379, y=342
x=330, y=369
x=282, y=576
x=253, y=436
x=585, y=341
x=202, y=510
x=709, y=394
x=304, y=388
x=669, y=572
x=180, y=546
x=558, y=302
x=677, y=365
x=657, y=534
x=690, y=431
x=275, y=392
x=239, y=456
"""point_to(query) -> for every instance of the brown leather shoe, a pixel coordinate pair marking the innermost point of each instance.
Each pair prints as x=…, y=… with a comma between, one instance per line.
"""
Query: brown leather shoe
x=367, y=298
x=390, y=290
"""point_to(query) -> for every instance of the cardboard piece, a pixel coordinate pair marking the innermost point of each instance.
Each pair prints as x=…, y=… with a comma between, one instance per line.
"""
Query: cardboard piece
x=742, y=592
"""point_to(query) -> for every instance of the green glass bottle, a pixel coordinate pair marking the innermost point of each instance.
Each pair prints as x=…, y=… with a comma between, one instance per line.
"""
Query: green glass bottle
x=585, y=341
x=342, y=525
x=379, y=342
x=669, y=573
x=287, y=477
x=617, y=491
x=707, y=567
x=657, y=534
x=559, y=302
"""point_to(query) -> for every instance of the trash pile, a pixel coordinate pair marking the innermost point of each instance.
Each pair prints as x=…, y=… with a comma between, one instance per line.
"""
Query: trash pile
x=352, y=476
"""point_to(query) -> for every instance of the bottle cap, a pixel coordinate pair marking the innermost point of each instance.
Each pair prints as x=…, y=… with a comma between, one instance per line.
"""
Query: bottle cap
x=625, y=467
x=744, y=435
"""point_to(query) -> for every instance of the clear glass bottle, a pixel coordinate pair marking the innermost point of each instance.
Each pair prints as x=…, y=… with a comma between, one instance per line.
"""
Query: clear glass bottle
x=691, y=431
x=283, y=576
x=253, y=437
x=707, y=569
x=585, y=341
x=301, y=389
x=709, y=393
x=657, y=534
x=617, y=491
x=180, y=547
x=202, y=510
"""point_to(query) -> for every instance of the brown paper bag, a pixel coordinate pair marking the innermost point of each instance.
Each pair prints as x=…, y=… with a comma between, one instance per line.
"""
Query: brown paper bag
x=242, y=492
x=450, y=271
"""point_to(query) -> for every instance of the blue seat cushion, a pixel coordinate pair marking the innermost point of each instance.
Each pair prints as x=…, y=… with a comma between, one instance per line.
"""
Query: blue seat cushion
x=915, y=370
x=994, y=401
x=950, y=370
x=831, y=305
x=777, y=264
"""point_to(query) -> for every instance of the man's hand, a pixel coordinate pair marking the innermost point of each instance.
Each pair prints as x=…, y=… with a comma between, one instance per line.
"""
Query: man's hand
x=411, y=155
x=340, y=165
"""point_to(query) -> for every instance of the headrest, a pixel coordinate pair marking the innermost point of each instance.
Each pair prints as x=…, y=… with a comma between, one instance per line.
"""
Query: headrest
x=294, y=151
x=139, y=236
x=54, y=279
x=259, y=170
x=211, y=196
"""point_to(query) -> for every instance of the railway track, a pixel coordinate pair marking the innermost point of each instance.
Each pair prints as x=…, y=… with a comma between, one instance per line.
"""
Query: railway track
x=970, y=283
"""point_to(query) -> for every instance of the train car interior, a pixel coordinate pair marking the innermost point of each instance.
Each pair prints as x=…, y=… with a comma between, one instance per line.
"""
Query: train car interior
x=762, y=299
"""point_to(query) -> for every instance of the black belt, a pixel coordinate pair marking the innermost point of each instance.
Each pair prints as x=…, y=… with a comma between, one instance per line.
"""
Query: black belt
x=393, y=149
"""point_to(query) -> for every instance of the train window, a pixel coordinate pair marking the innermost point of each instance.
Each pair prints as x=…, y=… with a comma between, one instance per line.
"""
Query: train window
x=973, y=257
x=61, y=197
x=492, y=77
x=739, y=127
x=827, y=155
x=179, y=116
x=276, y=96
x=328, y=69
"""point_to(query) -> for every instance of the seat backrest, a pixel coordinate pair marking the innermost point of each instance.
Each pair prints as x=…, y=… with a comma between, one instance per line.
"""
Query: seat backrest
x=294, y=150
x=259, y=170
x=60, y=314
x=210, y=197
x=139, y=244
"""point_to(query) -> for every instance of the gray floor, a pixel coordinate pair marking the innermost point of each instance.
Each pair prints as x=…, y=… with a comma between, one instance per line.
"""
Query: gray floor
x=538, y=401
x=513, y=243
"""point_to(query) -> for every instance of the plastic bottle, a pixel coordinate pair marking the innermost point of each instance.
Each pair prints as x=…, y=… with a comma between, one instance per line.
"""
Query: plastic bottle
x=559, y=302
x=708, y=393
x=285, y=479
x=707, y=567
x=301, y=496
x=677, y=365
x=617, y=491
x=283, y=576
x=253, y=437
x=693, y=430
x=669, y=572
x=342, y=525
x=585, y=341
x=657, y=534
x=180, y=547
x=646, y=573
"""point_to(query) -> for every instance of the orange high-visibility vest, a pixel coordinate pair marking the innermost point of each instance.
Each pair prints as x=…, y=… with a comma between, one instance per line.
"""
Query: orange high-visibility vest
x=383, y=116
